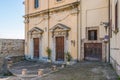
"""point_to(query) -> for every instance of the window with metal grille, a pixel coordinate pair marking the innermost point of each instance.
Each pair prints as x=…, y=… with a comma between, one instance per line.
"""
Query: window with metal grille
x=92, y=34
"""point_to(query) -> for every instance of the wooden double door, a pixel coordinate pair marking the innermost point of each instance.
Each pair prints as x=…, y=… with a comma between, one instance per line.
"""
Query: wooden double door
x=36, y=43
x=93, y=51
x=60, y=48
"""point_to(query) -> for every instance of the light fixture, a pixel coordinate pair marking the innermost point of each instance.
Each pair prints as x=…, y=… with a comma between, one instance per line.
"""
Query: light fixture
x=105, y=24
x=73, y=42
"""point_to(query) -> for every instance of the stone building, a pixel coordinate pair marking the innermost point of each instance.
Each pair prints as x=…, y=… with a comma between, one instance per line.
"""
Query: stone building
x=115, y=34
x=74, y=26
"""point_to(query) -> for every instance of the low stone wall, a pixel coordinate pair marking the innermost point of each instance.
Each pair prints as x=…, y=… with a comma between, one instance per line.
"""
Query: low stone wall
x=11, y=47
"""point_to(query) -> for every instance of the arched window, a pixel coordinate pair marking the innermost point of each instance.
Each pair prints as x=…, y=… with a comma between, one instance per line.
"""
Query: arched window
x=36, y=3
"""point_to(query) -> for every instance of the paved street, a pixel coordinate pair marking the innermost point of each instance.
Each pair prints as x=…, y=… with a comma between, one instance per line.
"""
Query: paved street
x=85, y=71
x=79, y=71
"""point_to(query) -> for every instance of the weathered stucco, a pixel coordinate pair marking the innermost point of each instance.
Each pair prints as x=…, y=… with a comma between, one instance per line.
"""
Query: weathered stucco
x=78, y=15
x=115, y=38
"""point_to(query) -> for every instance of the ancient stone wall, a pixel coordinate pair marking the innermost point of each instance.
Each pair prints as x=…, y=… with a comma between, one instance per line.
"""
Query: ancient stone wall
x=11, y=47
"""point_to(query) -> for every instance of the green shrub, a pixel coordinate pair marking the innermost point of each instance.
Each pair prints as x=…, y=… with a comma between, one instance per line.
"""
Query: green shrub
x=49, y=51
x=68, y=56
x=118, y=78
x=7, y=74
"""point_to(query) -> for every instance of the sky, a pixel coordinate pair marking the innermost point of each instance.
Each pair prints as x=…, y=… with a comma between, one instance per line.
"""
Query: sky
x=11, y=19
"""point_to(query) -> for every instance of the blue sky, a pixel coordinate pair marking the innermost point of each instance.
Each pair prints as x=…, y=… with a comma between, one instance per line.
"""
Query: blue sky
x=11, y=19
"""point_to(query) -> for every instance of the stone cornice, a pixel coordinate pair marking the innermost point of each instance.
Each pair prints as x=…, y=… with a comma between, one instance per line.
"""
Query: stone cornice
x=72, y=5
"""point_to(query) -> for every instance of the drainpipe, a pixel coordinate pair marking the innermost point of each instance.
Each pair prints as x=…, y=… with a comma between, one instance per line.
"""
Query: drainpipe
x=77, y=32
x=109, y=32
x=80, y=28
x=48, y=23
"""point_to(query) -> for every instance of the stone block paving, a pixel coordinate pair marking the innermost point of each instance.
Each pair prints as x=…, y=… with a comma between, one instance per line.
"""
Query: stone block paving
x=79, y=71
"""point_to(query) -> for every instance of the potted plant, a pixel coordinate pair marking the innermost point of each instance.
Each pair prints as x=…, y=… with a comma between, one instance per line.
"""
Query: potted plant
x=68, y=57
x=49, y=54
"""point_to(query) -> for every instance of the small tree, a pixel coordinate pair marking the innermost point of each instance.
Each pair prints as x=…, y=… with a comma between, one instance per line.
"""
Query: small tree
x=68, y=56
x=49, y=52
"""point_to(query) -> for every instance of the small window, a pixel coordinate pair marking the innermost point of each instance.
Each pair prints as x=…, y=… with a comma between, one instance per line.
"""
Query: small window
x=92, y=34
x=116, y=16
x=36, y=3
x=58, y=0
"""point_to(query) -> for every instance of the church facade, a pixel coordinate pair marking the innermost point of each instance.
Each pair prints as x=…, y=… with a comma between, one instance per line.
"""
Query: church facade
x=66, y=26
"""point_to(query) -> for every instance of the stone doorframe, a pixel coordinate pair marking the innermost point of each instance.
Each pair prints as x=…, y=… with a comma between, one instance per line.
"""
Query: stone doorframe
x=100, y=40
x=35, y=33
x=57, y=31
x=104, y=55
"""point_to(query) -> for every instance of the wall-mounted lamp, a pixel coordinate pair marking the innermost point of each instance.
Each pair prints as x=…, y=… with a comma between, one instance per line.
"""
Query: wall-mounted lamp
x=105, y=24
x=73, y=42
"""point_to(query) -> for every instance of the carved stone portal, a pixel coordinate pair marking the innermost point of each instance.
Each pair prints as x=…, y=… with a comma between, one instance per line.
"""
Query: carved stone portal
x=60, y=30
x=35, y=32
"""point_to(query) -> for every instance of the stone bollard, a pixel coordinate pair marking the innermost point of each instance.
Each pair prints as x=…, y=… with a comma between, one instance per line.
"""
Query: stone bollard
x=62, y=66
x=8, y=66
x=54, y=68
x=24, y=71
x=40, y=72
x=10, y=63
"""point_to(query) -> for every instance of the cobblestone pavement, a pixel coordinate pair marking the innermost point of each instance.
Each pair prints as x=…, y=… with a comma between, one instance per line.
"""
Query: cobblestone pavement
x=78, y=71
